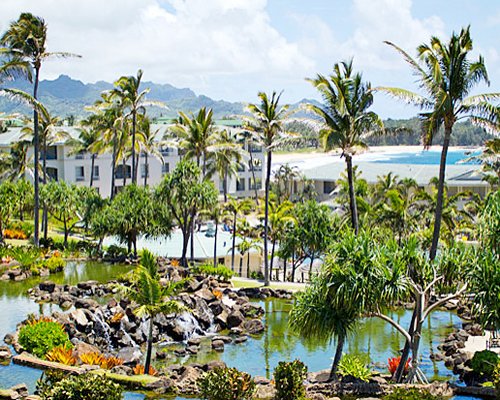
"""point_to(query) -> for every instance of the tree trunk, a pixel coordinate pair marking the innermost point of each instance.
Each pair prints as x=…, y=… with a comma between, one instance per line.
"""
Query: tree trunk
x=185, y=240
x=284, y=269
x=398, y=375
x=45, y=212
x=253, y=174
x=234, y=242
x=134, y=165
x=92, y=163
x=65, y=244
x=248, y=264
x=113, y=165
x=266, y=219
x=134, y=243
x=147, y=363
x=311, y=267
x=271, y=264
x=1, y=231
x=352, y=194
x=241, y=265
x=224, y=185
x=146, y=167
x=338, y=356
x=440, y=194
x=215, y=241
x=124, y=169
x=193, y=217
x=36, y=149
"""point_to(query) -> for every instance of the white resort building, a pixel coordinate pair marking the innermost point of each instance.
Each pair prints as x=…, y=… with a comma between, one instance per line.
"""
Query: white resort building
x=76, y=168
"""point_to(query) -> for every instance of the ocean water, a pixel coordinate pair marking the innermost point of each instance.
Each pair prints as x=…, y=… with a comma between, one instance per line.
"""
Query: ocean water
x=425, y=157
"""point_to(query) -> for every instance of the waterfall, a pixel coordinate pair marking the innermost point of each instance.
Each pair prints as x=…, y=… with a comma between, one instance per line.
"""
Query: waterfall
x=101, y=327
x=189, y=325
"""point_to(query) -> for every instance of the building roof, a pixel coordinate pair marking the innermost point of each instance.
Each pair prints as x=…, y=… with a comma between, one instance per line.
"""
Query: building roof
x=458, y=175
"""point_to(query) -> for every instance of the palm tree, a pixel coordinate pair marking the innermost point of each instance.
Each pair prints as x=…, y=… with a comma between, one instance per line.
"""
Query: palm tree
x=127, y=89
x=17, y=164
x=280, y=215
x=24, y=43
x=195, y=134
x=267, y=125
x=236, y=208
x=151, y=296
x=87, y=142
x=447, y=76
x=149, y=144
x=490, y=161
x=346, y=121
x=284, y=179
x=227, y=154
x=247, y=138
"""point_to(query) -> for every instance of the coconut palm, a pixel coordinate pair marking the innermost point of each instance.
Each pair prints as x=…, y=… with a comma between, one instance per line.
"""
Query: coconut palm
x=24, y=43
x=490, y=161
x=447, y=76
x=17, y=164
x=151, y=296
x=346, y=120
x=267, y=124
x=248, y=139
x=149, y=144
x=227, y=155
x=127, y=89
x=195, y=134
x=284, y=179
x=236, y=208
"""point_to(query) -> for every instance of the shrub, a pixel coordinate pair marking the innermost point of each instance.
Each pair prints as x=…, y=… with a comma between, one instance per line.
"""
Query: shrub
x=115, y=251
x=393, y=364
x=220, y=272
x=226, y=384
x=78, y=387
x=92, y=358
x=496, y=380
x=14, y=234
x=289, y=378
x=54, y=264
x=411, y=394
x=25, y=227
x=27, y=257
x=62, y=355
x=484, y=362
x=40, y=336
x=353, y=365
x=139, y=370
x=110, y=362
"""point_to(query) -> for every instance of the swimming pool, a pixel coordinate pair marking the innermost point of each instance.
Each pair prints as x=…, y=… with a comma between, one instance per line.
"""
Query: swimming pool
x=424, y=157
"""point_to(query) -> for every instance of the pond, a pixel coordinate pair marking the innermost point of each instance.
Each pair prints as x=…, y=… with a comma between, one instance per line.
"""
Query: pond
x=258, y=356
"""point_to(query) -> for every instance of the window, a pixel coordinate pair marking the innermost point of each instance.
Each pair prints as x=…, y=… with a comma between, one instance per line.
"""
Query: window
x=165, y=168
x=51, y=153
x=167, y=151
x=96, y=172
x=258, y=184
x=144, y=170
x=120, y=171
x=52, y=173
x=257, y=165
x=328, y=187
x=254, y=148
x=80, y=155
x=240, y=184
x=79, y=173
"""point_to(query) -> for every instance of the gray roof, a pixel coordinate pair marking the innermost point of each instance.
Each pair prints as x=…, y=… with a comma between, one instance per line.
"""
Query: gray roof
x=458, y=175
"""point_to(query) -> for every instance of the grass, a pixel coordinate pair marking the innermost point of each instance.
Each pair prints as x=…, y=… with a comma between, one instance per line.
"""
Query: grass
x=303, y=150
x=133, y=381
x=252, y=283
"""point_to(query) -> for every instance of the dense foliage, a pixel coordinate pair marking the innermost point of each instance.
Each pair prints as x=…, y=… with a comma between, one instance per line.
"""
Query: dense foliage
x=38, y=337
x=78, y=387
x=484, y=363
x=220, y=272
x=226, y=384
x=411, y=394
x=289, y=380
x=352, y=365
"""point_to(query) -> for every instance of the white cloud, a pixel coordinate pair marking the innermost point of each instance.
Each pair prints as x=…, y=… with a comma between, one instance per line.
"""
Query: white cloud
x=185, y=43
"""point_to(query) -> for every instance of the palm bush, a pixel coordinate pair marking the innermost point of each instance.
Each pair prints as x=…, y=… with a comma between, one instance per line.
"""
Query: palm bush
x=226, y=384
x=289, y=378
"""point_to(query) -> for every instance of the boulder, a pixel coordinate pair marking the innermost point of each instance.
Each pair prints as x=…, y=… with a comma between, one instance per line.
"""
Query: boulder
x=5, y=354
x=122, y=370
x=130, y=355
x=192, y=349
x=205, y=294
x=83, y=348
x=240, y=339
x=235, y=319
x=88, y=304
x=162, y=386
x=47, y=286
x=254, y=326
x=88, y=285
x=78, y=315
x=218, y=345
x=187, y=380
x=194, y=341
x=225, y=339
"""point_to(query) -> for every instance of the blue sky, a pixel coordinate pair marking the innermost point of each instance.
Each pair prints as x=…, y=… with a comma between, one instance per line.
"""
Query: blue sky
x=231, y=49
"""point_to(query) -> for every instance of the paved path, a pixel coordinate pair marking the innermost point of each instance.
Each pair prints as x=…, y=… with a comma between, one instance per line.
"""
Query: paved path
x=479, y=343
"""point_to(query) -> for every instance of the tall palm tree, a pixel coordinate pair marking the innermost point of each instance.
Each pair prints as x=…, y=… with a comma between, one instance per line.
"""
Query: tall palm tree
x=149, y=145
x=127, y=89
x=489, y=160
x=227, y=154
x=87, y=142
x=248, y=139
x=447, y=76
x=346, y=120
x=236, y=208
x=195, y=135
x=17, y=164
x=267, y=125
x=151, y=297
x=24, y=44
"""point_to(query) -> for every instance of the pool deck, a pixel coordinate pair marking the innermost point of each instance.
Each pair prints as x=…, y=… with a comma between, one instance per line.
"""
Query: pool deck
x=479, y=343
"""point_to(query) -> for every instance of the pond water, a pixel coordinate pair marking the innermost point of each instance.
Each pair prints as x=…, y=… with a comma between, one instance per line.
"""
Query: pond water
x=258, y=356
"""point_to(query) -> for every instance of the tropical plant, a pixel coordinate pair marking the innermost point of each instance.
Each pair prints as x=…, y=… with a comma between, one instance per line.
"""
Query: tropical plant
x=148, y=141
x=184, y=194
x=411, y=394
x=7, y=193
x=139, y=369
x=78, y=387
x=289, y=380
x=267, y=125
x=489, y=223
x=346, y=120
x=39, y=337
x=447, y=76
x=236, y=208
x=62, y=355
x=87, y=142
x=393, y=364
x=226, y=384
x=24, y=41
x=151, y=296
x=354, y=366
x=220, y=272
x=484, y=363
